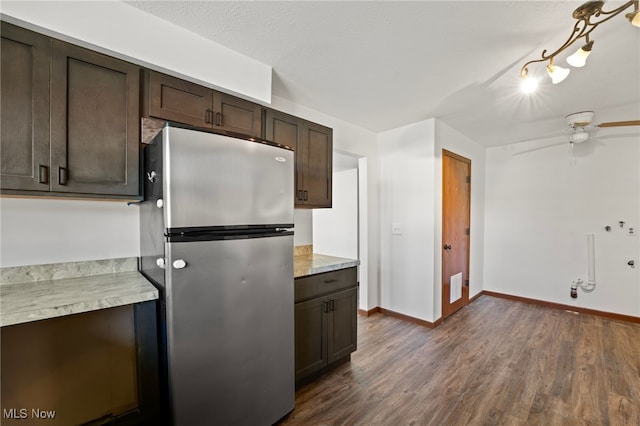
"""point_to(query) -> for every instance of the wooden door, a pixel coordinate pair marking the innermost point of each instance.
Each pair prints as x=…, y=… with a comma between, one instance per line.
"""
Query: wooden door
x=310, y=336
x=237, y=115
x=24, y=109
x=95, y=123
x=342, y=327
x=178, y=100
x=456, y=205
x=314, y=160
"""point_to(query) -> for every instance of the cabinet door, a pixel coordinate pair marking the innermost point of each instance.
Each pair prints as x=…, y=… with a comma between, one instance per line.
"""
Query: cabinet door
x=24, y=110
x=310, y=336
x=316, y=151
x=282, y=128
x=286, y=129
x=237, y=115
x=95, y=123
x=342, y=327
x=178, y=100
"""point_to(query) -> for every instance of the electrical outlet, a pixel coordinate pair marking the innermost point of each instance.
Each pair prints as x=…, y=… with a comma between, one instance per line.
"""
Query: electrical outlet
x=631, y=231
x=395, y=229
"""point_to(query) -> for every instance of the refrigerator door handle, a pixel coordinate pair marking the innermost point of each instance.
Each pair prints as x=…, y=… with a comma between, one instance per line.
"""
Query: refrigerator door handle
x=179, y=264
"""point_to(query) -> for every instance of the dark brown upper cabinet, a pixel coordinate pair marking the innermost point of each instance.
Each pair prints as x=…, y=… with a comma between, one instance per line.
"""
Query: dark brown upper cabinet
x=24, y=110
x=313, y=145
x=95, y=128
x=181, y=101
x=70, y=119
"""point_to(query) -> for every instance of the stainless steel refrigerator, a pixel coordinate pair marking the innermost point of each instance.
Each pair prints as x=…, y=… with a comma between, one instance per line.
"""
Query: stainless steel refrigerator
x=216, y=240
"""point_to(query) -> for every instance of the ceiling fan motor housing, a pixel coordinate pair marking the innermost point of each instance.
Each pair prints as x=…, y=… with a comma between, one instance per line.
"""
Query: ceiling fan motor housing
x=580, y=119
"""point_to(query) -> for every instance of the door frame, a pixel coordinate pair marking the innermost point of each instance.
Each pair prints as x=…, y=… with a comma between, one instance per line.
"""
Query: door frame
x=465, y=287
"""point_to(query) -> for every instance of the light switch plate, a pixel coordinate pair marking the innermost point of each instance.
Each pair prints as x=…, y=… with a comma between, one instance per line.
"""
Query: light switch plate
x=396, y=229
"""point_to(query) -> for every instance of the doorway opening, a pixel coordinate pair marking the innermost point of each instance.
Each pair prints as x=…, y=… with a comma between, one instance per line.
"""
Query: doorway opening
x=342, y=230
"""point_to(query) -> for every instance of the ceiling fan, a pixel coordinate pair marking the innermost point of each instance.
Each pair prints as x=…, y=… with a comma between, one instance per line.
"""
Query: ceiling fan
x=577, y=131
x=580, y=122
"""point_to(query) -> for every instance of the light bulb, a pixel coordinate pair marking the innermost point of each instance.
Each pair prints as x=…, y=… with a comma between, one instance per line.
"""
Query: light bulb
x=634, y=18
x=557, y=73
x=579, y=58
x=529, y=84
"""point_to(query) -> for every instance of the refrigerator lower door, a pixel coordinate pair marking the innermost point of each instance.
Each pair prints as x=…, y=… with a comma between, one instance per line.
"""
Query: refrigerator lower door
x=230, y=331
x=214, y=180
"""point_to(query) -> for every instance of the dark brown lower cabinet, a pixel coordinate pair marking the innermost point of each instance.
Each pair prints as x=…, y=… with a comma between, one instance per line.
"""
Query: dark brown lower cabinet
x=311, y=337
x=325, y=321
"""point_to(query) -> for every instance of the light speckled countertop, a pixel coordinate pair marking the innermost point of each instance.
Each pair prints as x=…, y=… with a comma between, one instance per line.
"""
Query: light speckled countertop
x=311, y=264
x=55, y=290
x=45, y=295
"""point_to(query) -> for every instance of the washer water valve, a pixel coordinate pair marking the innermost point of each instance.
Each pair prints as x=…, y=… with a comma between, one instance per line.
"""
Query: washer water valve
x=574, y=288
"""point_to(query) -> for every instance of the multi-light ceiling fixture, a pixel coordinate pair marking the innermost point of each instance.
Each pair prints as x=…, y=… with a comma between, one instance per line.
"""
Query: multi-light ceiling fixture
x=581, y=30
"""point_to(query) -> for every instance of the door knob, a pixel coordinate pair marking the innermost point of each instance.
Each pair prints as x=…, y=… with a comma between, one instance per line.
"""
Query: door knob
x=447, y=247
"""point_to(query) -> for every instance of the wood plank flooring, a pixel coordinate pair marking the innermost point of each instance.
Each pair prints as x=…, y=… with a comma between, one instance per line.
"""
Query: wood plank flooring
x=495, y=362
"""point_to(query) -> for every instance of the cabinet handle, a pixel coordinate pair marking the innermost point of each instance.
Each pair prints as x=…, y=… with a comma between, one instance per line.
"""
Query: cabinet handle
x=325, y=307
x=43, y=174
x=218, y=119
x=300, y=195
x=306, y=195
x=207, y=115
x=62, y=175
x=333, y=280
x=332, y=305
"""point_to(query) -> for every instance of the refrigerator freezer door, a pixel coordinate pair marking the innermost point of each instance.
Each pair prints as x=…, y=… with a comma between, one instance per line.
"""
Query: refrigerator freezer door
x=214, y=180
x=230, y=331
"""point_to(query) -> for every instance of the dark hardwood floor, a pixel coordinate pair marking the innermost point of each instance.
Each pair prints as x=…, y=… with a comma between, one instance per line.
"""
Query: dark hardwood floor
x=495, y=362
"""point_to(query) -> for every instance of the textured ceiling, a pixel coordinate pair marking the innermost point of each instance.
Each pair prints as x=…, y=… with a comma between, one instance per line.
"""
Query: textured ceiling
x=383, y=64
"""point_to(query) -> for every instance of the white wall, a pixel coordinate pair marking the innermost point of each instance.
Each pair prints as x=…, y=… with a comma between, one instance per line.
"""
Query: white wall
x=361, y=143
x=452, y=140
x=335, y=230
x=411, y=196
x=120, y=30
x=37, y=231
x=407, y=167
x=540, y=204
x=303, y=232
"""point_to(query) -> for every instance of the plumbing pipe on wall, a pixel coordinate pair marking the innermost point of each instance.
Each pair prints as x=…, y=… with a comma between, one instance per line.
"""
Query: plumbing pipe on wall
x=591, y=260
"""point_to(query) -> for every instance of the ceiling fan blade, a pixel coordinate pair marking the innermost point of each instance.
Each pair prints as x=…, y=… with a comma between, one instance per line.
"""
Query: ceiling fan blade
x=620, y=123
x=556, y=135
x=526, y=151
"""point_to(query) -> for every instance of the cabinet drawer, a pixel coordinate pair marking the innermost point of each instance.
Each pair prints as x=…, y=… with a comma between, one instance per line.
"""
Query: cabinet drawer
x=320, y=284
